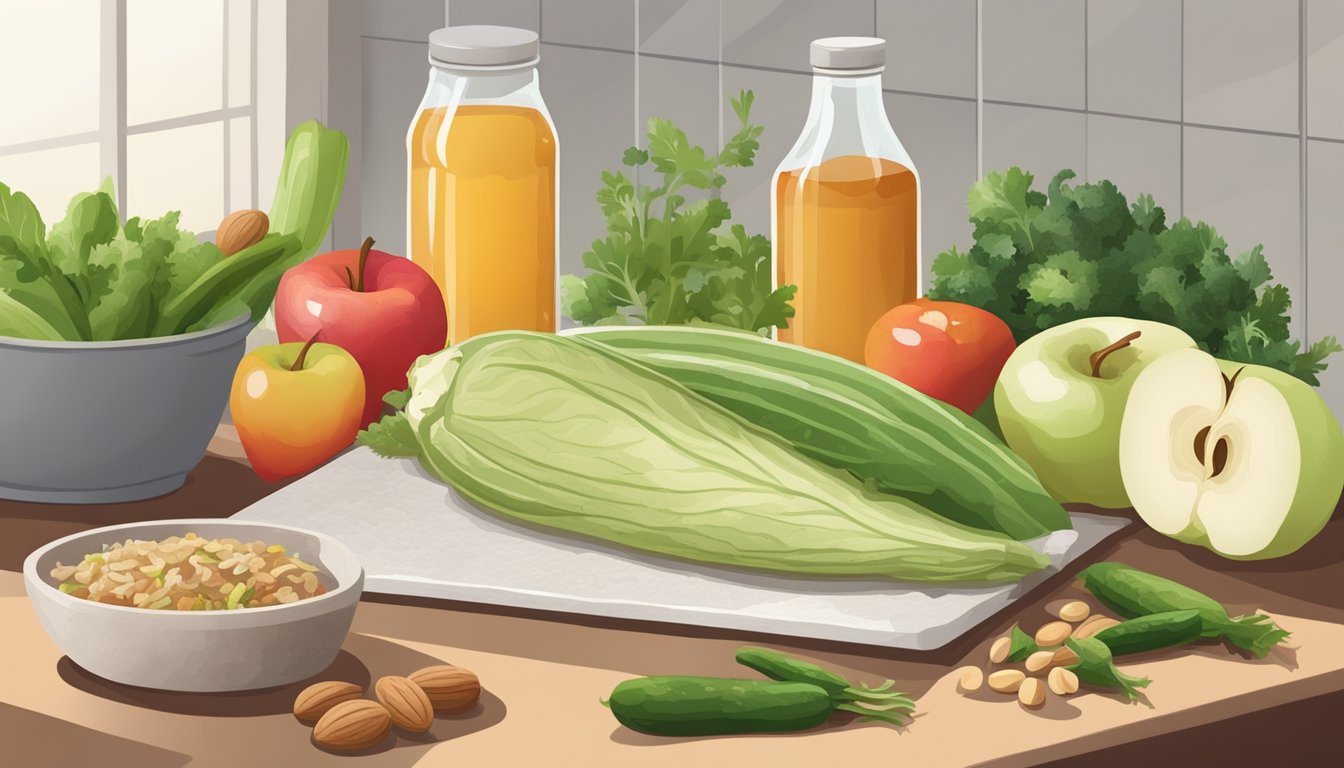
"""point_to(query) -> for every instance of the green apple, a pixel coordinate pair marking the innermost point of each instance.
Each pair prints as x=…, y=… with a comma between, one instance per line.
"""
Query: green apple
x=1061, y=396
x=1245, y=460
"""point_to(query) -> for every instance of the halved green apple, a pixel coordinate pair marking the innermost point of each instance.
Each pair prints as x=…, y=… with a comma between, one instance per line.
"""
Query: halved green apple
x=1242, y=459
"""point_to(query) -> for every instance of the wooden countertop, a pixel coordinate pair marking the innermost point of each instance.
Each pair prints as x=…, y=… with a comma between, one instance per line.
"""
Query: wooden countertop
x=543, y=676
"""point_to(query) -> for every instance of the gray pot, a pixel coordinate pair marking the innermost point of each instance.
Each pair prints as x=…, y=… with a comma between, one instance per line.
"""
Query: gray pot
x=86, y=422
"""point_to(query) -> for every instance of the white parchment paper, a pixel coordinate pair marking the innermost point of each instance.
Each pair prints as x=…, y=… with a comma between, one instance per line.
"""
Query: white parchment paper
x=415, y=536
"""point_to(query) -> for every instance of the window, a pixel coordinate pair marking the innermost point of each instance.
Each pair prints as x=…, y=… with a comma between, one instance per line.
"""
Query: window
x=160, y=95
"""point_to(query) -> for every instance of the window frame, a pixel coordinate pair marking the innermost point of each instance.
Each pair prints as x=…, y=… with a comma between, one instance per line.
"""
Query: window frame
x=113, y=129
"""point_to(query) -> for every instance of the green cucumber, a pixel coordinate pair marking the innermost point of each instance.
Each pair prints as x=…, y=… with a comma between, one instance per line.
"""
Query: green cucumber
x=709, y=706
x=778, y=666
x=221, y=279
x=1153, y=632
x=1133, y=593
x=852, y=417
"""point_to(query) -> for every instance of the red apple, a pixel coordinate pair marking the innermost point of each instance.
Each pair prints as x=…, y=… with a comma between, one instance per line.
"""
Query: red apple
x=383, y=309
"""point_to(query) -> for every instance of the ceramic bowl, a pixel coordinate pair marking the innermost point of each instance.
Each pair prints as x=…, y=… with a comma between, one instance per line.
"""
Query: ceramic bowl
x=202, y=651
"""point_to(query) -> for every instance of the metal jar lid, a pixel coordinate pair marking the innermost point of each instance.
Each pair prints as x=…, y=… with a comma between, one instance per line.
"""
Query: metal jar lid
x=480, y=45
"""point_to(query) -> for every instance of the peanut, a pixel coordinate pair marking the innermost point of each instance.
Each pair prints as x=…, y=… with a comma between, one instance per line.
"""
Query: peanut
x=1074, y=612
x=1064, y=657
x=998, y=652
x=1040, y=660
x=1032, y=693
x=970, y=679
x=1052, y=634
x=1063, y=681
x=1006, y=680
x=1094, y=625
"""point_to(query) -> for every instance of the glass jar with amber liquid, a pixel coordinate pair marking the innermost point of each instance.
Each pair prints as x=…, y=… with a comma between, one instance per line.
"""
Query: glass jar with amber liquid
x=481, y=197
x=845, y=204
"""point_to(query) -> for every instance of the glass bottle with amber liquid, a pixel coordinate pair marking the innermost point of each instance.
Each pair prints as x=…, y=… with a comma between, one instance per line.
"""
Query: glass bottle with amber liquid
x=845, y=205
x=481, y=178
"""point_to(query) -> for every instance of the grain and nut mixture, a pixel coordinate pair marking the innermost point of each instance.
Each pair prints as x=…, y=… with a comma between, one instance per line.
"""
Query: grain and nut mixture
x=189, y=573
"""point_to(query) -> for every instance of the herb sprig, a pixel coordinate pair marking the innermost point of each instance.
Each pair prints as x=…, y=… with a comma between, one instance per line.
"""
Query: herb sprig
x=668, y=260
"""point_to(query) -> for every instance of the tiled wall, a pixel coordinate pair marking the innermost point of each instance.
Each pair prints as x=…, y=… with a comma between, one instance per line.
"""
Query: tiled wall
x=1226, y=110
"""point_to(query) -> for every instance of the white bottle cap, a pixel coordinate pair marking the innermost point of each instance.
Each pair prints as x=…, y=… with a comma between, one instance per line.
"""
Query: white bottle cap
x=849, y=55
x=480, y=45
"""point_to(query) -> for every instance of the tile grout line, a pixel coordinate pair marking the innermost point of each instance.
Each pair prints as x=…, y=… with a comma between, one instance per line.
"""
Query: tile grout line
x=762, y=68
x=636, y=142
x=1087, y=104
x=254, y=111
x=1180, y=159
x=1304, y=256
x=718, y=71
x=979, y=92
x=1142, y=118
x=227, y=127
x=121, y=128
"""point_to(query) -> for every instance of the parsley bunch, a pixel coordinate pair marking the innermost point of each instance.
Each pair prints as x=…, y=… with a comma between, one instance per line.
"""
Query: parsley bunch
x=667, y=260
x=1040, y=260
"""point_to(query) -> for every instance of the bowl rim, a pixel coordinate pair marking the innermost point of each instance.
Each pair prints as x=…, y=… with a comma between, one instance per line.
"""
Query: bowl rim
x=30, y=573
x=148, y=341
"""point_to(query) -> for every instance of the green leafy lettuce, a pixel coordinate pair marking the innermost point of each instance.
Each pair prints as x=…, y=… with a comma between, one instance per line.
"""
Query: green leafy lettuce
x=669, y=260
x=1042, y=259
x=91, y=278
x=547, y=430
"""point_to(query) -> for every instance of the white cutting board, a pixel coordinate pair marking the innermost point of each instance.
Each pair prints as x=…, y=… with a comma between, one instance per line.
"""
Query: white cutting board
x=416, y=536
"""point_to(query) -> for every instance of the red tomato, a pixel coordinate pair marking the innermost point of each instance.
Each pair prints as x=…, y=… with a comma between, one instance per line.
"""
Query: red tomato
x=947, y=350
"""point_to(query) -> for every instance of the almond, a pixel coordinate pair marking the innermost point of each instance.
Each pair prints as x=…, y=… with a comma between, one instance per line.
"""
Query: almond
x=314, y=701
x=450, y=689
x=408, y=704
x=241, y=229
x=353, y=725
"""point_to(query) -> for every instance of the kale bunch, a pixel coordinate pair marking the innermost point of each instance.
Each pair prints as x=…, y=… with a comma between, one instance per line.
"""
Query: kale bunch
x=1082, y=250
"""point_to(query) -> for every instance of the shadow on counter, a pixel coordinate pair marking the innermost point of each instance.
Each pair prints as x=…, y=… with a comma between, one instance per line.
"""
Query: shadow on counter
x=361, y=661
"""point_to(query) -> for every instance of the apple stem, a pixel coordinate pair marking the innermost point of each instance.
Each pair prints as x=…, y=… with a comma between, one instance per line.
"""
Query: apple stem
x=303, y=354
x=363, y=260
x=1098, y=357
x=350, y=278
